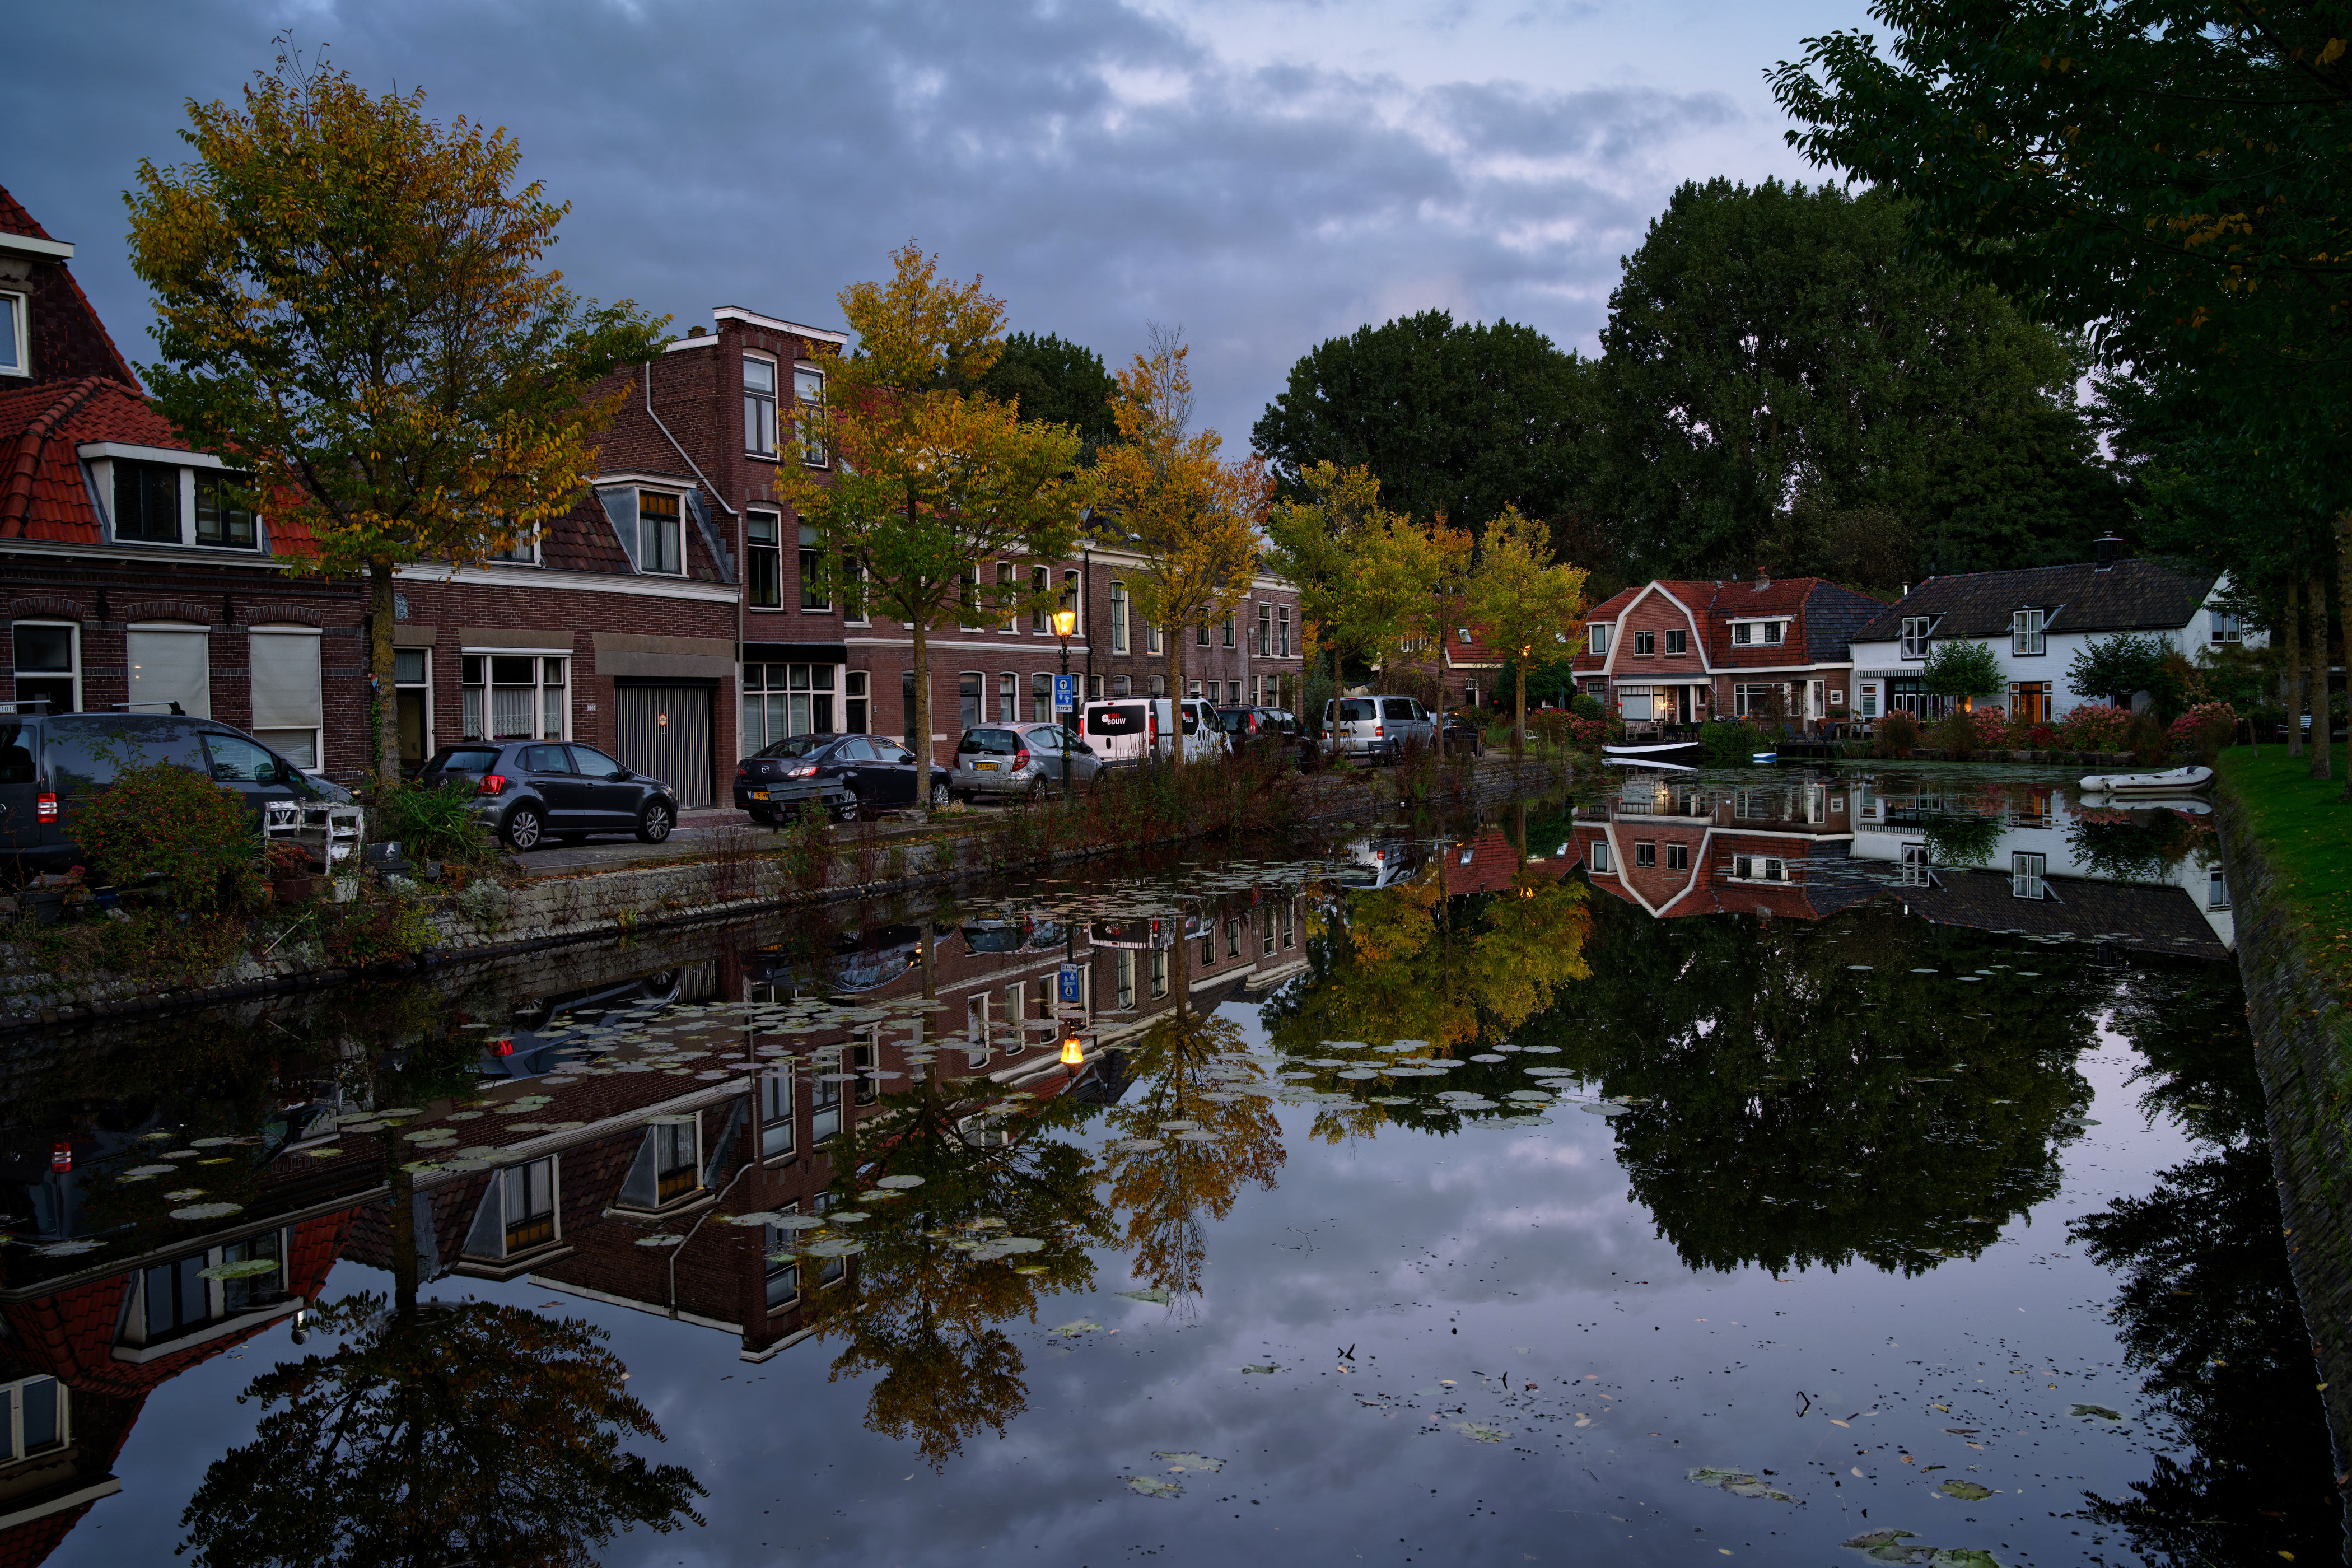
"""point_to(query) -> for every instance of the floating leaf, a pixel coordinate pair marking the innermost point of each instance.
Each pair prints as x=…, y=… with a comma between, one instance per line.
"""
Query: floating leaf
x=66, y=1248
x=1189, y=1461
x=209, y=1211
x=1153, y=1486
x=1151, y=1294
x=1074, y=1328
x=2100, y=1411
x=1480, y=1431
x=249, y=1269
x=835, y=1247
x=898, y=1182
x=1966, y=1492
x=660, y=1240
x=1261, y=1367
x=1738, y=1483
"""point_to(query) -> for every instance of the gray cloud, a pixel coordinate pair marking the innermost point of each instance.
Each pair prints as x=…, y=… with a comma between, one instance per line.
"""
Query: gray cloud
x=1101, y=164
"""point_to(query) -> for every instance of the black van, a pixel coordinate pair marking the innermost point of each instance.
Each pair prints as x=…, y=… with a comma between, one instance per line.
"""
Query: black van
x=48, y=761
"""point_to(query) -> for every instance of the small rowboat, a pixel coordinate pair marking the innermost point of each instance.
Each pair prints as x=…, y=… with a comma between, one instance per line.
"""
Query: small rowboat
x=2179, y=781
x=1684, y=751
x=1647, y=763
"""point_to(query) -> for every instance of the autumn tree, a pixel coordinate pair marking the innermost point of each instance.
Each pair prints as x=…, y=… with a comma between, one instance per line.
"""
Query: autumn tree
x=351, y=307
x=941, y=503
x=1525, y=603
x=1167, y=495
x=1314, y=543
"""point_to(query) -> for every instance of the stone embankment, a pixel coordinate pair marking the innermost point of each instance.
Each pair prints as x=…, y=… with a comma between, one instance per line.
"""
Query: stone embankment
x=490, y=920
x=2303, y=1046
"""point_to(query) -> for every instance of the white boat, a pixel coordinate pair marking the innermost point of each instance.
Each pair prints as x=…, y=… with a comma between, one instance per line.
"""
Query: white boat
x=2179, y=781
x=1687, y=751
x=2137, y=801
x=1650, y=763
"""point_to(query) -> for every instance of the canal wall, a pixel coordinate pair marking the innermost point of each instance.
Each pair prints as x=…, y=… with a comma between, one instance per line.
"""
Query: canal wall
x=492, y=920
x=2303, y=1048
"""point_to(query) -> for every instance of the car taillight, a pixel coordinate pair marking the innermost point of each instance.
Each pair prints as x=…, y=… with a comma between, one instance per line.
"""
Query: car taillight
x=492, y=784
x=743, y=770
x=45, y=808
x=1020, y=760
x=1376, y=732
x=806, y=770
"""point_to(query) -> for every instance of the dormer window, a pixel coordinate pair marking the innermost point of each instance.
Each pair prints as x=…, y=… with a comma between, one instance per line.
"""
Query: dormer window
x=221, y=519
x=146, y=502
x=13, y=355
x=2026, y=631
x=1596, y=639
x=1915, y=636
x=661, y=541
x=1746, y=633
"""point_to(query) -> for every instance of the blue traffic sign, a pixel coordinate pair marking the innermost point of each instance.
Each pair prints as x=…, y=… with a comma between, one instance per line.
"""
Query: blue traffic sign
x=1065, y=694
x=1072, y=983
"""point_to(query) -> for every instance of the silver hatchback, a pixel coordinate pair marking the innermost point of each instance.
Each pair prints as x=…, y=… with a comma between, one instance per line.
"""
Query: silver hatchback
x=1032, y=761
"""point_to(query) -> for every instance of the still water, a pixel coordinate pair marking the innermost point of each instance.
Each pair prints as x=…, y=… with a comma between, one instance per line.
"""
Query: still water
x=1751, y=1166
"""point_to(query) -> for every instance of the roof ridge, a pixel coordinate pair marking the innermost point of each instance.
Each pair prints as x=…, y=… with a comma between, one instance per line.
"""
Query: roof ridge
x=17, y=496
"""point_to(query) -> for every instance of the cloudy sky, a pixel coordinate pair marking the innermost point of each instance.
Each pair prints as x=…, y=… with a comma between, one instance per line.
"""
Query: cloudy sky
x=1265, y=173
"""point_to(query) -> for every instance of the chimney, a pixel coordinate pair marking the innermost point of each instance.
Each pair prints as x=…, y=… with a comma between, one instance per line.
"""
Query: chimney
x=1906, y=592
x=2109, y=548
x=694, y=331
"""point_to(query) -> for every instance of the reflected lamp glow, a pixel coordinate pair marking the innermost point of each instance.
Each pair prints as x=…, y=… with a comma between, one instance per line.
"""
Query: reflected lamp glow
x=1073, y=1051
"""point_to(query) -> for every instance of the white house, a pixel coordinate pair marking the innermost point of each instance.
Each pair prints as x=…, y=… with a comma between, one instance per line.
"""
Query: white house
x=2035, y=621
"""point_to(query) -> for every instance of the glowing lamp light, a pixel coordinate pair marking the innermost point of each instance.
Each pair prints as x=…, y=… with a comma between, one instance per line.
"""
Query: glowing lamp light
x=1074, y=1052
x=1065, y=622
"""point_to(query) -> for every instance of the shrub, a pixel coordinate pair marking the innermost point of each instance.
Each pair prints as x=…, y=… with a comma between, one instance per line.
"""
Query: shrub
x=161, y=819
x=2042, y=737
x=1587, y=707
x=1896, y=736
x=2147, y=740
x=2094, y=727
x=1991, y=724
x=2205, y=729
x=1727, y=742
x=431, y=823
x=1956, y=732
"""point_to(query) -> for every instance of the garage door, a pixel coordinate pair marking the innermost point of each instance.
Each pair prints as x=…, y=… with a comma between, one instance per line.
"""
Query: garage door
x=665, y=731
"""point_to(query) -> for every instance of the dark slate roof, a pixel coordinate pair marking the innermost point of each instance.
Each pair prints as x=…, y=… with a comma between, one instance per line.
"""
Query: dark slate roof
x=1834, y=617
x=2130, y=595
x=2147, y=917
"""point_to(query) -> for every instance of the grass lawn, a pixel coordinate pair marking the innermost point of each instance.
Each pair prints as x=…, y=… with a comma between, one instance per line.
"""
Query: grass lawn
x=2306, y=834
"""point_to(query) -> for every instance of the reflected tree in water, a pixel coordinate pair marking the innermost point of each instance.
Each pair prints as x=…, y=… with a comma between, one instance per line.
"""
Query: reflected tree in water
x=1181, y=1067
x=1796, y=1111
x=469, y=1433
x=925, y=1304
x=2207, y=1308
x=2137, y=846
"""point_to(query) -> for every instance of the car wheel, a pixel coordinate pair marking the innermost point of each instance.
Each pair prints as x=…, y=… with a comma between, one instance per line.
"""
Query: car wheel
x=654, y=822
x=1037, y=792
x=524, y=828
x=941, y=795
x=847, y=811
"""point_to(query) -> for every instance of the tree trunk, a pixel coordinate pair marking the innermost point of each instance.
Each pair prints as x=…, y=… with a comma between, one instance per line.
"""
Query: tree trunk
x=2291, y=670
x=923, y=747
x=2322, y=749
x=1176, y=693
x=403, y=1231
x=1519, y=719
x=383, y=705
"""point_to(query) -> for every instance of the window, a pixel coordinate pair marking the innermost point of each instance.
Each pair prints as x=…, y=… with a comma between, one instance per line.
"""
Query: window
x=2226, y=628
x=170, y=664
x=1677, y=856
x=865, y=1060
x=855, y=707
x=675, y=1146
x=522, y=552
x=146, y=501
x=1760, y=869
x=1756, y=701
x=1153, y=639
x=221, y=519
x=1597, y=855
x=1126, y=979
x=853, y=590
x=1158, y=972
x=34, y=1420
x=968, y=697
x=1677, y=642
x=1645, y=643
x=1004, y=594
x=2026, y=631
x=1289, y=926
x=978, y=1041
x=1008, y=699
x=13, y=357
x=968, y=599
x=764, y=560
x=1016, y=1040
x=1915, y=873
x=1646, y=857
x=1121, y=686
x=1041, y=698
x=808, y=391
x=907, y=702
x=813, y=572
x=175, y=1298
x=2217, y=890
x=1751, y=632
x=1159, y=686
x=518, y=696
x=1117, y=617
x=1070, y=603
x=1596, y=638
x=661, y=540
x=1866, y=698
x=785, y=700
x=824, y=1111
x=1233, y=939
x=1914, y=636
x=2025, y=873
x=2030, y=700
x=527, y=1204
x=1228, y=632
x=1264, y=629
x=783, y=1269
x=48, y=665
x=760, y=406
x=287, y=709
x=1201, y=635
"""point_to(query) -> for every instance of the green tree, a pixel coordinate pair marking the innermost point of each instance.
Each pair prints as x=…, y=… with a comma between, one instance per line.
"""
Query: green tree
x=349, y=305
x=1059, y=382
x=1960, y=669
x=1454, y=420
x=1523, y=601
x=1313, y=540
x=2120, y=666
x=1776, y=360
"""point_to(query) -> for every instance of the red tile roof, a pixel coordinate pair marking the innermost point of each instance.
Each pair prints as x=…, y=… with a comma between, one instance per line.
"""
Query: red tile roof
x=15, y=219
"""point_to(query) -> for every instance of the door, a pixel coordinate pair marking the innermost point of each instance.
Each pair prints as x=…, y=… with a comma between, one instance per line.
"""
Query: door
x=861, y=770
x=610, y=803
x=548, y=768
x=664, y=732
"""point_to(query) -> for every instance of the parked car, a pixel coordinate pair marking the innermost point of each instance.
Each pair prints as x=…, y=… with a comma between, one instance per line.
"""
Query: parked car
x=1127, y=732
x=1031, y=759
x=1462, y=732
x=528, y=792
x=876, y=770
x=769, y=784
x=1376, y=729
x=1273, y=729
x=51, y=762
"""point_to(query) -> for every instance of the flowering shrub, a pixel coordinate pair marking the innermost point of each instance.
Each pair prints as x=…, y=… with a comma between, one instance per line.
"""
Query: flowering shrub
x=1991, y=725
x=2040, y=738
x=2205, y=729
x=2094, y=727
x=1897, y=734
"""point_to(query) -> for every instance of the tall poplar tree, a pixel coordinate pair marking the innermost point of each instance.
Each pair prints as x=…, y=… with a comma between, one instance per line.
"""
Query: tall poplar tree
x=1523, y=601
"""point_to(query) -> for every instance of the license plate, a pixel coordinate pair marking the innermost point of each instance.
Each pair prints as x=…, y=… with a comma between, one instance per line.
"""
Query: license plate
x=758, y=795
x=987, y=767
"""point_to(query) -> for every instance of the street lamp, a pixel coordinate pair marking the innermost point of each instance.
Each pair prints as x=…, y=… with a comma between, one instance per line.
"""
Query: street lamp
x=1065, y=621
x=1073, y=1051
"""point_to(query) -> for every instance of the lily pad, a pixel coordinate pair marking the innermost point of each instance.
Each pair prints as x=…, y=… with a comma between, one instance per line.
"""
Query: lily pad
x=1153, y=1486
x=66, y=1248
x=1605, y=1109
x=1738, y=1483
x=248, y=1268
x=1189, y=1461
x=660, y=1240
x=900, y=1182
x=1151, y=1294
x=835, y=1247
x=1074, y=1328
x=184, y=1193
x=209, y=1211
x=2099, y=1411
x=1480, y=1431
x=1261, y=1367
x=1966, y=1492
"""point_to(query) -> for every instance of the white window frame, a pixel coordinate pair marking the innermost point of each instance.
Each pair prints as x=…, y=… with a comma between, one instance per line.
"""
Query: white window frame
x=1917, y=630
x=2217, y=888
x=13, y=1394
x=2223, y=627
x=318, y=731
x=1282, y=631
x=489, y=683
x=425, y=686
x=16, y=672
x=814, y=453
x=525, y=553
x=2026, y=874
x=1596, y=639
x=12, y=303
x=1597, y=857
x=1118, y=615
x=2028, y=633
x=760, y=409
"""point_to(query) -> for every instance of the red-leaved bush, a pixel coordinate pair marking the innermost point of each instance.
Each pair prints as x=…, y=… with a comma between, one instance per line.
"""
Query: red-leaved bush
x=2094, y=727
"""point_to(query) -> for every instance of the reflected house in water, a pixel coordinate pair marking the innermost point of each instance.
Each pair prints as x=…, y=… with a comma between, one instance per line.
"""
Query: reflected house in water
x=2020, y=858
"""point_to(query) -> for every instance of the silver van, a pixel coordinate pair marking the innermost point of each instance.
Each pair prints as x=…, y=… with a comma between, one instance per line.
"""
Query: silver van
x=1376, y=729
x=1127, y=732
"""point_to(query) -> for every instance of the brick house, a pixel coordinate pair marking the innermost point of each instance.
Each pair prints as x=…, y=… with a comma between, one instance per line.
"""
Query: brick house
x=1675, y=850
x=1682, y=652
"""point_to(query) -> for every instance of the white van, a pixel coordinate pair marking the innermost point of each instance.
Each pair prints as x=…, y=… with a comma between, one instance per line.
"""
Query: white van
x=1127, y=732
x=1376, y=729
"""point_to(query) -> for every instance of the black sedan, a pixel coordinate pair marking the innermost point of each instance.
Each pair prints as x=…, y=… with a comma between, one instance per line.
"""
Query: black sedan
x=879, y=773
x=529, y=792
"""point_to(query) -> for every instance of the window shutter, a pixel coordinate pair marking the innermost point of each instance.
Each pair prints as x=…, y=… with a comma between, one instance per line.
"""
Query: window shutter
x=285, y=681
x=170, y=665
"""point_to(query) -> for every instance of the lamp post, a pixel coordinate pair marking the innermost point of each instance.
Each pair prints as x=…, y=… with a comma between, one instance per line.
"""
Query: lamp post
x=1065, y=621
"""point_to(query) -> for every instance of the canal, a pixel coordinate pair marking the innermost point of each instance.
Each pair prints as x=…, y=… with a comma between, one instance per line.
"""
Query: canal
x=1791, y=1167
